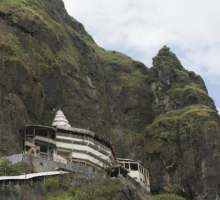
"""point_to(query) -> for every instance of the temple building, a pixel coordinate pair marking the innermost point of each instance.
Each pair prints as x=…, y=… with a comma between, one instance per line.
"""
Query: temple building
x=63, y=143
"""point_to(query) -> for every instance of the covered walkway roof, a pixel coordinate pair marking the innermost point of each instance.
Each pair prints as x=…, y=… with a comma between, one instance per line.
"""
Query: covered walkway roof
x=34, y=175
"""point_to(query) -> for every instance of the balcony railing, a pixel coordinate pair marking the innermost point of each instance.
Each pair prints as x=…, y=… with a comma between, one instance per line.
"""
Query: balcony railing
x=85, y=139
x=44, y=139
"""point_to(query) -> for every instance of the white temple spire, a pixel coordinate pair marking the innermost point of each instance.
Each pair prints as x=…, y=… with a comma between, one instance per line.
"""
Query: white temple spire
x=60, y=119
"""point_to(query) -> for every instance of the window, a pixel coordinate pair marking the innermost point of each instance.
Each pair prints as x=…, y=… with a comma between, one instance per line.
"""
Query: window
x=140, y=168
x=127, y=165
x=134, y=166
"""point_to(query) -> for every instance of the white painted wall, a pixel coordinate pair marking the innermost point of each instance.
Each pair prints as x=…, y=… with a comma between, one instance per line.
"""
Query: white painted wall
x=140, y=175
x=71, y=146
x=82, y=148
x=72, y=139
x=82, y=156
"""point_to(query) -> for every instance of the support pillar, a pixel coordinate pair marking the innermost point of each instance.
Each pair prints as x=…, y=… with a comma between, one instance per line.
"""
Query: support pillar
x=48, y=153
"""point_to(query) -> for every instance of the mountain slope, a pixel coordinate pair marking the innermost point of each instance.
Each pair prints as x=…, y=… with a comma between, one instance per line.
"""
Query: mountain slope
x=48, y=60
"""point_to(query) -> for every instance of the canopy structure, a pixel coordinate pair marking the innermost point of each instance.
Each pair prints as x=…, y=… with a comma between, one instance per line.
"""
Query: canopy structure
x=29, y=176
x=60, y=120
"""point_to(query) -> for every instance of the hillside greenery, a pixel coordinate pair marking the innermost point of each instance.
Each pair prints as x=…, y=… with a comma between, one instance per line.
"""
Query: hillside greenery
x=7, y=169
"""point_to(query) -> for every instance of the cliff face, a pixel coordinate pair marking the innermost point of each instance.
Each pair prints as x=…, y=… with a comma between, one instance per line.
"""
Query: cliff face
x=162, y=115
x=182, y=144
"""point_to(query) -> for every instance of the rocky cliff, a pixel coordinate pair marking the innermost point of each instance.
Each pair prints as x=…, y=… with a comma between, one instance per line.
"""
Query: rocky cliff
x=161, y=115
x=182, y=144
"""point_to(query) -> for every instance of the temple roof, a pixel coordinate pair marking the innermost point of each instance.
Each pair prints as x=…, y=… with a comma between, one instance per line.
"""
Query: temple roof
x=60, y=120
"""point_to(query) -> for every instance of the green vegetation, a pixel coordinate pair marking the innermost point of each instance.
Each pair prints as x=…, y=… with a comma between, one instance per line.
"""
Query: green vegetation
x=51, y=184
x=22, y=168
x=167, y=59
x=167, y=197
x=113, y=57
x=110, y=57
x=47, y=58
x=17, y=192
x=60, y=195
x=73, y=194
x=138, y=74
x=184, y=111
x=98, y=189
x=185, y=119
x=194, y=87
x=173, y=189
x=176, y=127
x=6, y=169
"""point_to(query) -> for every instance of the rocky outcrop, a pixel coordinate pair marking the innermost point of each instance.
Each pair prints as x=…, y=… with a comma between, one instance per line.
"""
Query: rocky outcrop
x=48, y=60
x=182, y=144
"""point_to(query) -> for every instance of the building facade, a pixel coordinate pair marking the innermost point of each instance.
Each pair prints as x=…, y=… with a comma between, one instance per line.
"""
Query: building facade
x=137, y=171
x=63, y=143
x=40, y=140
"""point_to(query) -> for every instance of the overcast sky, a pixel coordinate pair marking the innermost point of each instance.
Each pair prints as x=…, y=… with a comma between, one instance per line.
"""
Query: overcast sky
x=139, y=28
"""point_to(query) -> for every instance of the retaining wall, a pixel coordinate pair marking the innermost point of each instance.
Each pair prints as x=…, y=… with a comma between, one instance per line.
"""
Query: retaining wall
x=43, y=165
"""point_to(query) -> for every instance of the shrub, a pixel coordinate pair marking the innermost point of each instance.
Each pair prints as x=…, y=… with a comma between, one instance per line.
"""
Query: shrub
x=51, y=184
x=21, y=168
x=77, y=194
x=6, y=169
x=17, y=192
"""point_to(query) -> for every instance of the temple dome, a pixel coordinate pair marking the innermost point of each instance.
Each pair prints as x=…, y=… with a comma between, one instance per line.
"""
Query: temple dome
x=60, y=120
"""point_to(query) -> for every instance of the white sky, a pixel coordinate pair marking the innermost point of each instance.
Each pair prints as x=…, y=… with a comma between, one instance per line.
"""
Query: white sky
x=139, y=28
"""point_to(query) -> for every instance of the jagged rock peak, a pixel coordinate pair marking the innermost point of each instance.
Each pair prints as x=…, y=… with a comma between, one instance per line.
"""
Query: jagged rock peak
x=165, y=58
x=164, y=51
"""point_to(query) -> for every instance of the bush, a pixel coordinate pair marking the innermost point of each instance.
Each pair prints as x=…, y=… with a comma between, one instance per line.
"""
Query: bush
x=17, y=192
x=97, y=189
x=77, y=194
x=173, y=189
x=6, y=169
x=51, y=184
x=21, y=168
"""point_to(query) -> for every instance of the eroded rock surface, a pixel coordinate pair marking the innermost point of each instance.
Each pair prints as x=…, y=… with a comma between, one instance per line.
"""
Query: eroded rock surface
x=161, y=115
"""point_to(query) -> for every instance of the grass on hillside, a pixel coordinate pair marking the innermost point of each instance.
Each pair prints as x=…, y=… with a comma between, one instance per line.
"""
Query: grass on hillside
x=97, y=189
x=167, y=197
